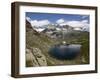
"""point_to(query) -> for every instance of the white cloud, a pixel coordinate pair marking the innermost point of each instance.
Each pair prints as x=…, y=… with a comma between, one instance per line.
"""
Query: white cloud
x=28, y=19
x=83, y=17
x=59, y=21
x=77, y=23
x=74, y=23
x=84, y=21
x=38, y=23
x=83, y=24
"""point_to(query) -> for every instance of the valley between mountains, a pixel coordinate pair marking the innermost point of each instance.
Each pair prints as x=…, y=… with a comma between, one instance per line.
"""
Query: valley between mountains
x=40, y=40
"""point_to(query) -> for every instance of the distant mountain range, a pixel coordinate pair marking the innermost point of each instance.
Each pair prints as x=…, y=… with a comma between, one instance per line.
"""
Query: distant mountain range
x=57, y=30
x=59, y=27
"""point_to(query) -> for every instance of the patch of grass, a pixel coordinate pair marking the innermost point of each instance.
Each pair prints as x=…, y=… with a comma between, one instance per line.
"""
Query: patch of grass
x=85, y=51
x=49, y=63
x=29, y=64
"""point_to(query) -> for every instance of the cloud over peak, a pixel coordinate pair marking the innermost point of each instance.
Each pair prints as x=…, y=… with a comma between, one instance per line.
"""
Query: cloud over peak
x=59, y=21
x=38, y=23
x=82, y=23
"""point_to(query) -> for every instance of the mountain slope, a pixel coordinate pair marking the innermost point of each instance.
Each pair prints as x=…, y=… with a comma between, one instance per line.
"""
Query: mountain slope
x=43, y=43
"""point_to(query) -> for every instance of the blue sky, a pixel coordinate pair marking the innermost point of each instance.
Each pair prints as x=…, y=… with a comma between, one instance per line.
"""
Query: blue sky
x=54, y=17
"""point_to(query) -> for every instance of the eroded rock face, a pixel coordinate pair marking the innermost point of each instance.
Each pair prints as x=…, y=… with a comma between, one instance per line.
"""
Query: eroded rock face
x=34, y=57
x=30, y=59
x=39, y=56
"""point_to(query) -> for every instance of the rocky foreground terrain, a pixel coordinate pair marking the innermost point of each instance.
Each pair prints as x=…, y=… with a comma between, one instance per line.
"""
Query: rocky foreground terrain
x=38, y=45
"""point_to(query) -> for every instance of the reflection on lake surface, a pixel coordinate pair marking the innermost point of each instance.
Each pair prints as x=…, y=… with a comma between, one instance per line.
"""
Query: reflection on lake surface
x=68, y=51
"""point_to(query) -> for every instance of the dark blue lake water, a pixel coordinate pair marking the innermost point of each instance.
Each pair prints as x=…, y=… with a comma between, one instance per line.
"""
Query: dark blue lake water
x=65, y=51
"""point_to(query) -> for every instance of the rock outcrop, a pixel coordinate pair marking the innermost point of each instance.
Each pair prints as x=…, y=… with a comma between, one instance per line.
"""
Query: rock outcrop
x=34, y=57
